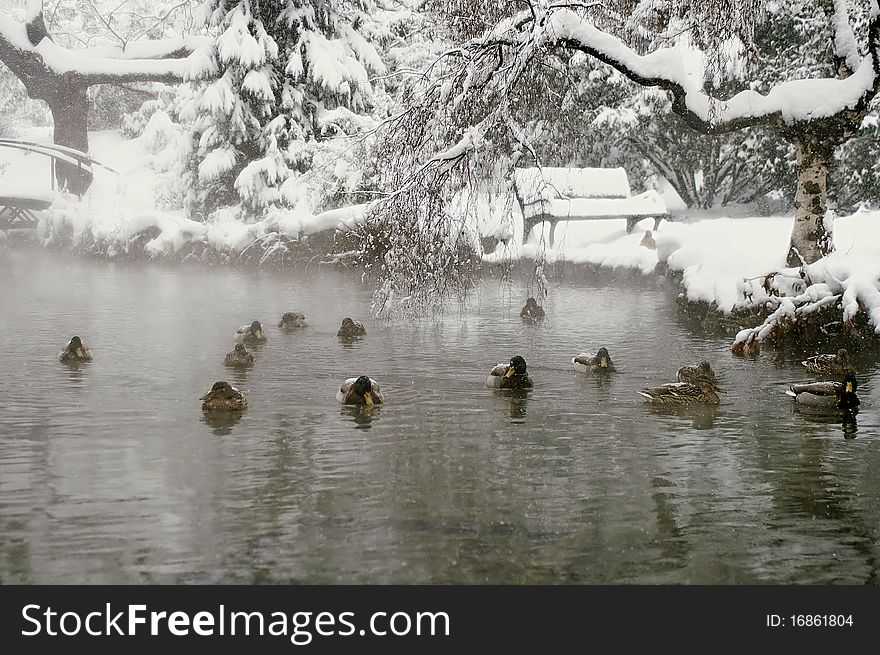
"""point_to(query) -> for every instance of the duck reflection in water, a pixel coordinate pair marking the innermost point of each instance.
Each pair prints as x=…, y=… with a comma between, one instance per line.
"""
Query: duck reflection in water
x=845, y=418
x=361, y=415
x=519, y=400
x=702, y=416
x=221, y=423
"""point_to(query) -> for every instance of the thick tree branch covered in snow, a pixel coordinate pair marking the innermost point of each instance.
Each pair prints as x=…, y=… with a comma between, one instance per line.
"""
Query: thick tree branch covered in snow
x=61, y=76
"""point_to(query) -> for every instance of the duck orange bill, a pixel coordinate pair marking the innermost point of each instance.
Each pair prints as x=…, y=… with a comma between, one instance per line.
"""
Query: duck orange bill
x=849, y=387
x=79, y=352
x=510, y=372
x=368, y=399
x=603, y=363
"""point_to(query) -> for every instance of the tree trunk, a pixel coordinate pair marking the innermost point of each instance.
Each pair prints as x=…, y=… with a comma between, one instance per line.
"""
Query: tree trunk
x=70, y=113
x=809, y=239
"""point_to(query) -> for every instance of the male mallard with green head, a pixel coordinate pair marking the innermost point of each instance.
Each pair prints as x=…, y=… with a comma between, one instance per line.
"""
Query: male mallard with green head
x=700, y=391
x=362, y=390
x=598, y=363
x=827, y=394
x=827, y=364
x=251, y=335
x=692, y=372
x=292, y=320
x=351, y=329
x=510, y=376
x=223, y=397
x=532, y=310
x=239, y=357
x=74, y=351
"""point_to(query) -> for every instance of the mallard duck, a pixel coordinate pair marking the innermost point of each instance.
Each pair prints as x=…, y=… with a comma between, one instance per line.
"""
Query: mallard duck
x=223, y=397
x=351, y=329
x=699, y=391
x=598, y=363
x=532, y=310
x=692, y=372
x=510, y=376
x=837, y=364
x=648, y=241
x=239, y=357
x=292, y=320
x=251, y=335
x=74, y=351
x=827, y=394
x=360, y=391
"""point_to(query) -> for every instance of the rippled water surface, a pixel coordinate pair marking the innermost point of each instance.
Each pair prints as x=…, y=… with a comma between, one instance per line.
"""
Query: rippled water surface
x=110, y=473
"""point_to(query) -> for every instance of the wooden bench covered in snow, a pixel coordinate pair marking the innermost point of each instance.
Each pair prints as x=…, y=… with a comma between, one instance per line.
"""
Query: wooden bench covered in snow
x=580, y=194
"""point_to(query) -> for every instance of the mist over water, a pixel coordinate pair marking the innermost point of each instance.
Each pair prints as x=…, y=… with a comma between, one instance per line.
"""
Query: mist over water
x=111, y=473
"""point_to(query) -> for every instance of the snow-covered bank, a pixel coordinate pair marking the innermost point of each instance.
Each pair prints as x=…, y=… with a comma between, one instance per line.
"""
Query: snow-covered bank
x=731, y=264
x=120, y=214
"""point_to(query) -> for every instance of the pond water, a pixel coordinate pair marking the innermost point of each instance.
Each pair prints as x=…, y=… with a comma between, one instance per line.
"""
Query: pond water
x=110, y=473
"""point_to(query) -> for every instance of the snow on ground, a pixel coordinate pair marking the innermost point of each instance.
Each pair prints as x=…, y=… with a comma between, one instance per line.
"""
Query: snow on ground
x=714, y=255
x=122, y=202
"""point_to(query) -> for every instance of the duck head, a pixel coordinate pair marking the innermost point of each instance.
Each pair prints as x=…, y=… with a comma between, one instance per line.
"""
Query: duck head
x=843, y=356
x=362, y=387
x=76, y=347
x=848, y=396
x=220, y=389
x=517, y=366
x=603, y=357
x=257, y=329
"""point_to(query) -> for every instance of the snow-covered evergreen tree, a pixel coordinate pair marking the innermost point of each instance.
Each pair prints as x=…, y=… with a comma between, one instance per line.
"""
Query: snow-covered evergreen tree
x=283, y=75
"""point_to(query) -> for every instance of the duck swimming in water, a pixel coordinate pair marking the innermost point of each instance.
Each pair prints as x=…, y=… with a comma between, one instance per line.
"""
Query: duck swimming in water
x=841, y=395
x=251, y=335
x=292, y=320
x=351, y=329
x=827, y=364
x=699, y=391
x=74, y=351
x=362, y=390
x=692, y=372
x=598, y=363
x=239, y=357
x=223, y=397
x=510, y=376
x=532, y=310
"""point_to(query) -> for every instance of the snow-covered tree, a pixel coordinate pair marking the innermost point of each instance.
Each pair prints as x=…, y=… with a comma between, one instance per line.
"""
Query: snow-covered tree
x=62, y=76
x=815, y=114
x=283, y=75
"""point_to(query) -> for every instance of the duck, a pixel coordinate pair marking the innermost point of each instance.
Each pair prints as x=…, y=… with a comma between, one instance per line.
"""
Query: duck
x=532, y=310
x=351, y=329
x=510, y=376
x=648, y=241
x=223, y=397
x=841, y=395
x=362, y=390
x=692, y=372
x=239, y=357
x=251, y=335
x=598, y=363
x=827, y=364
x=292, y=320
x=701, y=391
x=74, y=351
